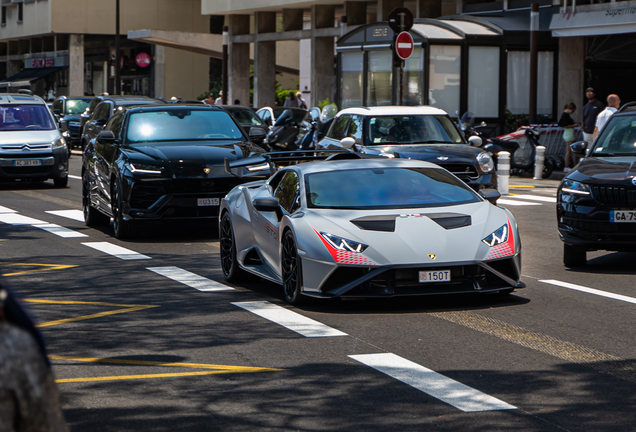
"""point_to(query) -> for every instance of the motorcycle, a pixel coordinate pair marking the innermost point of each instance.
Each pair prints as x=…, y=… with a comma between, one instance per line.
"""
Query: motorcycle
x=519, y=163
x=309, y=130
x=284, y=133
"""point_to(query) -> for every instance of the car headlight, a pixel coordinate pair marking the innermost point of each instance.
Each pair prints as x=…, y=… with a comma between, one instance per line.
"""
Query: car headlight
x=485, y=162
x=343, y=244
x=59, y=143
x=497, y=237
x=575, y=187
x=140, y=168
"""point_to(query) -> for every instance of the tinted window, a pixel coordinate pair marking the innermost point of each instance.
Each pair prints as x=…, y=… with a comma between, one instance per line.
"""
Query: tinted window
x=618, y=137
x=76, y=106
x=382, y=188
x=339, y=128
x=412, y=129
x=246, y=117
x=287, y=192
x=181, y=125
x=102, y=111
x=16, y=117
x=93, y=105
x=58, y=105
x=114, y=124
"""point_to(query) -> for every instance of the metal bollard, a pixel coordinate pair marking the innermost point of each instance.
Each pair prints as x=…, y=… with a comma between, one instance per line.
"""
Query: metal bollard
x=539, y=158
x=503, y=172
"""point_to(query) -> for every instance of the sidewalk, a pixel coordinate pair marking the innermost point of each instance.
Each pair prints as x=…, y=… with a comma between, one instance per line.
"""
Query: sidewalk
x=552, y=182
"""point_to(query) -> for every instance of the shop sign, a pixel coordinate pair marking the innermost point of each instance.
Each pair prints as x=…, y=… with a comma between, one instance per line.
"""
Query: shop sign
x=143, y=60
x=42, y=62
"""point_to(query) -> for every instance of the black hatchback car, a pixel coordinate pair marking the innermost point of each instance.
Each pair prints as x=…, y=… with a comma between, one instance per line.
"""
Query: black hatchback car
x=160, y=162
x=596, y=201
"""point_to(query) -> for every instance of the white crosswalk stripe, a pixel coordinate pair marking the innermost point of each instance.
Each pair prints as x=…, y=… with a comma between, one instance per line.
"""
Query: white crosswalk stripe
x=190, y=279
x=534, y=198
x=289, y=319
x=116, y=251
x=6, y=210
x=60, y=230
x=432, y=383
x=77, y=215
x=18, y=219
x=503, y=201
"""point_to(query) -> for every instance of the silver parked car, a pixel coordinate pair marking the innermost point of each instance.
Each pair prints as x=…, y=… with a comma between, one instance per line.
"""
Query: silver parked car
x=31, y=146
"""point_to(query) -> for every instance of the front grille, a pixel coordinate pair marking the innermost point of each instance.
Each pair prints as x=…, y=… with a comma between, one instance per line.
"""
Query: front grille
x=461, y=170
x=614, y=196
x=596, y=226
x=145, y=194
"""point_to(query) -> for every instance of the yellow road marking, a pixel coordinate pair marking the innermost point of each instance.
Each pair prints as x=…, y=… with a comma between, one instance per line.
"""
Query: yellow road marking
x=126, y=308
x=47, y=267
x=218, y=369
x=521, y=186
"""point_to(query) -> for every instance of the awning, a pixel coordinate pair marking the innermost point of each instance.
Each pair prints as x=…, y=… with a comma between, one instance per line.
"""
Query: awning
x=24, y=77
x=602, y=22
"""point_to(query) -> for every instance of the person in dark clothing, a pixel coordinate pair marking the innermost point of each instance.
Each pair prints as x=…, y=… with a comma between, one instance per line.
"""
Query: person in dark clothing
x=568, y=125
x=591, y=110
x=29, y=399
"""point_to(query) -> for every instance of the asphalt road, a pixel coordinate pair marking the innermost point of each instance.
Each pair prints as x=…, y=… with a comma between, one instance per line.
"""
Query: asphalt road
x=152, y=338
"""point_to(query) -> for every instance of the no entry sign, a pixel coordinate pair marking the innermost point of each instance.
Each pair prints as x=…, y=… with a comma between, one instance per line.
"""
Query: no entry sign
x=404, y=45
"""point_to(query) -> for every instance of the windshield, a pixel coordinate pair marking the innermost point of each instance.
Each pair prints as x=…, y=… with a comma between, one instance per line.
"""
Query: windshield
x=181, y=125
x=25, y=117
x=76, y=106
x=246, y=117
x=618, y=137
x=298, y=114
x=412, y=129
x=386, y=188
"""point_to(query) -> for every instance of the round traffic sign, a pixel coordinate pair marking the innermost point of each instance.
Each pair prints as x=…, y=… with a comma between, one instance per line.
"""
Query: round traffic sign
x=404, y=45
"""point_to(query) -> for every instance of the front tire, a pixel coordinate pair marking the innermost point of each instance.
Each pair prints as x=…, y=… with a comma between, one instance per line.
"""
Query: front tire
x=231, y=270
x=574, y=256
x=92, y=216
x=291, y=270
x=123, y=228
x=60, y=182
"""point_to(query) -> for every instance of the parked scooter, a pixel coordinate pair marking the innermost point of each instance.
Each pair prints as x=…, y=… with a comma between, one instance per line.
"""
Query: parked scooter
x=309, y=130
x=284, y=133
x=517, y=165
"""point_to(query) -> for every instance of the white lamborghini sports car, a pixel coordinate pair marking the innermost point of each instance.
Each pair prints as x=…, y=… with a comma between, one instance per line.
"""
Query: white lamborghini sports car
x=351, y=227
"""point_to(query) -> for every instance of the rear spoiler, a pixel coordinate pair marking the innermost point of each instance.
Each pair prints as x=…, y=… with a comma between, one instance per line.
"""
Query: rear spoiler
x=271, y=161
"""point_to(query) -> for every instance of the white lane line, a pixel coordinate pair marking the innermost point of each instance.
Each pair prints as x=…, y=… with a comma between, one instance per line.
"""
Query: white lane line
x=534, y=198
x=18, y=219
x=291, y=320
x=430, y=382
x=116, y=251
x=190, y=279
x=77, y=215
x=74, y=177
x=516, y=203
x=60, y=230
x=590, y=290
x=6, y=210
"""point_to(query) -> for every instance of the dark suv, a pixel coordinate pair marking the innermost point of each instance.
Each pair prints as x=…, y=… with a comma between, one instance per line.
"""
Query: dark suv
x=159, y=162
x=68, y=109
x=596, y=201
x=97, y=120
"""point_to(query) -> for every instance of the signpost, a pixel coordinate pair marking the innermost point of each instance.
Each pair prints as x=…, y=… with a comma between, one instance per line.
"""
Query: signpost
x=401, y=21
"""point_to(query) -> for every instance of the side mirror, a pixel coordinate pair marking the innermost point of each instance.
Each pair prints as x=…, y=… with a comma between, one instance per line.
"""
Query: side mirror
x=490, y=195
x=268, y=205
x=475, y=141
x=100, y=122
x=579, y=148
x=57, y=112
x=257, y=135
x=63, y=126
x=348, y=143
x=106, y=137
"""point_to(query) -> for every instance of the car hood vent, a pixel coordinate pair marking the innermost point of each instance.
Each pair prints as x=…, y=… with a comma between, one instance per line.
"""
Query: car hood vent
x=387, y=222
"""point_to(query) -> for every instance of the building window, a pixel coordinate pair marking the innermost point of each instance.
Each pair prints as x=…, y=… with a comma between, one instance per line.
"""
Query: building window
x=4, y=16
x=351, y=78
x=412, y=82
x=20, y=12
x=483, y=81
x=518, y=94
x=444, y=77
x=379, y=82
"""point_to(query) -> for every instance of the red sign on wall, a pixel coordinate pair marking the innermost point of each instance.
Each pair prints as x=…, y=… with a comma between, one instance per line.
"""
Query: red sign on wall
x=143, y=60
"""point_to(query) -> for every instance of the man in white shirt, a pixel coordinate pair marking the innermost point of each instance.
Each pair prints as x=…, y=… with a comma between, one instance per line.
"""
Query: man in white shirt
x=613, y=103
x=219, y=100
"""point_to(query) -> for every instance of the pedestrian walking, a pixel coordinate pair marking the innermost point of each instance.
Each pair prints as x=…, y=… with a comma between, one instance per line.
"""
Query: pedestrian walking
x=613, y=103
x=568, y=125
x=210, y=99
x=291, y=100
x=219, y=100
x=591, y=110
x=29, y=399
x=301, y=102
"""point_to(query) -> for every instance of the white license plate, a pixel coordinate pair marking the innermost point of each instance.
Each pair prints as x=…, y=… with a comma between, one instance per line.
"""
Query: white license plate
x=435, y=276
x=207, y=202
x=623, y=216
x=27, y=162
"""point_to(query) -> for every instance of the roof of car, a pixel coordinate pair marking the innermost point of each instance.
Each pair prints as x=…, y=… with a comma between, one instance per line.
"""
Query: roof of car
x=393, y=110
x=337, y=165
x=169, y=107
x=21, y=98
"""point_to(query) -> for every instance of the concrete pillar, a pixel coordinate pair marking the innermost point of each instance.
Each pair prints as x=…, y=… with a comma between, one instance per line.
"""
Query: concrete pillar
x=322, y=55
x=239, y=58
x=76, y=65
x=160, y=72
x=356, y=12
x=571, y=87
x=428, y=9
x=292, y=19
x=386, y=6
x=264, y=61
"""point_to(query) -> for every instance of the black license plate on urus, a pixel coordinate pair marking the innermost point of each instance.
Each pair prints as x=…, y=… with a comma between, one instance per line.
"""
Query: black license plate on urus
x=206, y=202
